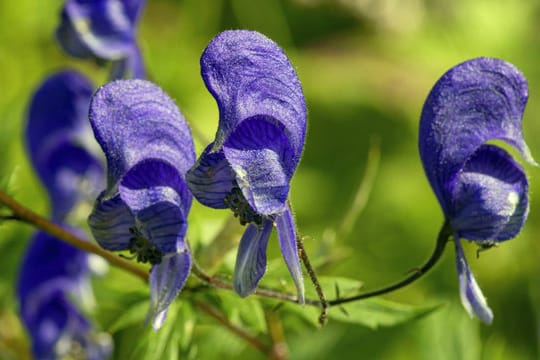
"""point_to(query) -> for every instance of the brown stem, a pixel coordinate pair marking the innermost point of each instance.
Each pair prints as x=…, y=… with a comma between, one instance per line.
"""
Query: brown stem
x=28, y=216
x=241, y=333
x=314, y=280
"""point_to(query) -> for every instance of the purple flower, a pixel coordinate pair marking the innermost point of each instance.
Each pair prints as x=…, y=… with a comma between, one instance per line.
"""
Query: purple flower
x=54, y=276
x=104, y=30
x=258, y=145
x=52, y=281
x=482, y=190
x=148, y=147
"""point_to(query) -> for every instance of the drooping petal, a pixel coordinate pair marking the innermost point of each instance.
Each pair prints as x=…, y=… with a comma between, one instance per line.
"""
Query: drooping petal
x=135, y=120
x=474, y=102
x=158, y=199
x=110, y=222
x=261, y=156
x=211, y=178
x=249, y=75
x=491, y=197
x=166, y=281
x=251, y=258
x=471, y=296
x=286, y=231
x=101, y=29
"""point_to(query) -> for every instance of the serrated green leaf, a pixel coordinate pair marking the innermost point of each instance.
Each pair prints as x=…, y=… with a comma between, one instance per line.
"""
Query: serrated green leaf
x=247, y=312
x=374, y=313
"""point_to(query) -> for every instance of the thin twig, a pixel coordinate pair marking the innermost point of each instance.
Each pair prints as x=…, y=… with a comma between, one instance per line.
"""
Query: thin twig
x=28, y=216
x=241, y=333
x=260, y=291
x=314, y=280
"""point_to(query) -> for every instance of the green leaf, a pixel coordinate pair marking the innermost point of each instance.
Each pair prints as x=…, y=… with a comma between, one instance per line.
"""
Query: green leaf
x=374, y=313
x=135, y=314
x=142, y=342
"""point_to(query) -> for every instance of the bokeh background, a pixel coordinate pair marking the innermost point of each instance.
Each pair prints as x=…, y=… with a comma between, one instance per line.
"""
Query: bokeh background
x=366, y=67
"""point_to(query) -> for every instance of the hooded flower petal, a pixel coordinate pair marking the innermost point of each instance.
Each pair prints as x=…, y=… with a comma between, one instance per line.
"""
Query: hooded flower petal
x=471, y=296
x=258, y=94
x=479, y=100
x=482, y=190
x=144, y=209
x=251, y=258
x=103, y=29
x=58, y=138
x=258, y=144
x=135, y=120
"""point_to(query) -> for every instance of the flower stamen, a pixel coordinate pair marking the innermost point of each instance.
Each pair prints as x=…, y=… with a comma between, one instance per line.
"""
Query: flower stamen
x=236, y=201
x=142, y=249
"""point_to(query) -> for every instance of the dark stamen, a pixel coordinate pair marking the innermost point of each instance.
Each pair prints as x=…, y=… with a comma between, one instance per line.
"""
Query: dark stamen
x=142, y=249
x=236, y=201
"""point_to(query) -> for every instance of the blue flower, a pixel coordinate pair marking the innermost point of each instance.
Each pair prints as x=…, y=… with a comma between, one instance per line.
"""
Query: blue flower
x=104, y=30
x=54, y=276
x=482, y=190
x=258, y=145
x=144, y=208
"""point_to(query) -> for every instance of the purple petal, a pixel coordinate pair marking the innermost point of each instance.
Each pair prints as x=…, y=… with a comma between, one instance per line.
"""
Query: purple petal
x=261, y=156
x=471, y=296
x=101, y=29
x=249, y=75
x=474, y=102
x=132, y=64
x=159, y=200
x=491, y=196
x=110, y=223
x=211, y=178
x=47, y=288
x=166, y=281
x=251, y=258
x=135, y=120
x=286, y=231
x=48, y=258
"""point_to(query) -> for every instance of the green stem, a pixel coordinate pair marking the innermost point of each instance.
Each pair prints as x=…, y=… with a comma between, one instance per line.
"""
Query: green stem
x=442, y=239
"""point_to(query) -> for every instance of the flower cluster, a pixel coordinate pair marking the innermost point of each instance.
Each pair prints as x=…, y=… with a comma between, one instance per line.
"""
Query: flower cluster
x=142, y=200
x=54, y=276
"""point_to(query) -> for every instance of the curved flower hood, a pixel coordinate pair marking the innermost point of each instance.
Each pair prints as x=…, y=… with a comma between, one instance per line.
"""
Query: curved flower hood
x=105, y=30
x=482, y=190
x=148, y=147
x=258, y=144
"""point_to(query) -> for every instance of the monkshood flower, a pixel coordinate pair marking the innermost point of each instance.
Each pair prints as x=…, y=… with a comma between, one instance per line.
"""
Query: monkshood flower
x=258, y=145
x=148, y=147
x=59, y=140
x=54, y=277
x=482, y=190
x=103, y=30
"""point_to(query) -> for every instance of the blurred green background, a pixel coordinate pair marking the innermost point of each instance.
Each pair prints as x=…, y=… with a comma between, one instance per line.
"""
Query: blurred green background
x=366, y=67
